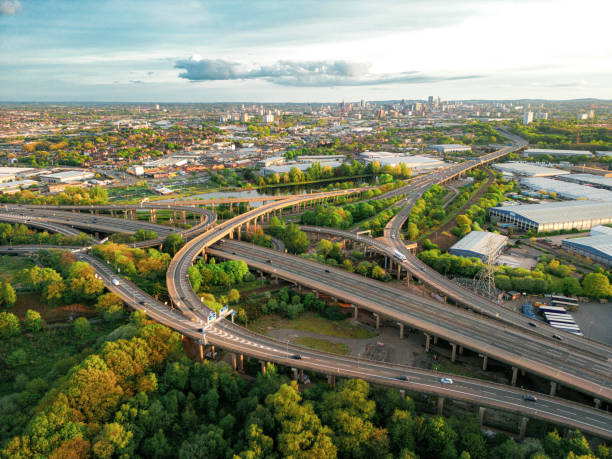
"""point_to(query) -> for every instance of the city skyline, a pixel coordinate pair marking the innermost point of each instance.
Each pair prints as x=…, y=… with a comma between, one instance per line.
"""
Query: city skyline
x=314, y=52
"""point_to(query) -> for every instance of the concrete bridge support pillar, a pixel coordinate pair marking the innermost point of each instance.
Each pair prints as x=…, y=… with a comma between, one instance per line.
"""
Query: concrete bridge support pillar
x=435, y=339
x=402, y=393
x=301, y=380
x=331, y=380
x=355, y=312
x=481, y=413
x=239, y=230
x=241, y=362
x=401, y=330
x=440, y=405
x=212, y=352
x=153, y=216
x=377, y=321
x=460, y=350
x=201, y=352
x=183, y=217
x=316, y=293
x=295, y=374
x=597, y=403
x=427, y=341
x=234, y=364
x=453, y=352
x=553, y=388
x=523, y=427
x=263, y=367
x=485, y=362
x=514, y=375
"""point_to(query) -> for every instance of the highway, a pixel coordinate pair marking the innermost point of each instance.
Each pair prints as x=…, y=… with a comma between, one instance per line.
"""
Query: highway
x=499, y=341
x=583, y=370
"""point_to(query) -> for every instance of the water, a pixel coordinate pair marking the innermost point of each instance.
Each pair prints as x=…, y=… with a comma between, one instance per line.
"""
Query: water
x=274, y=191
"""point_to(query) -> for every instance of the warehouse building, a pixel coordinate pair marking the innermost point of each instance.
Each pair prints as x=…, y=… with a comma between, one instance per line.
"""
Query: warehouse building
x=555, y=216
x=417, y=163
x=451, y=148
x=480, y=244
x=67, y=177
x=595, y=180
x=545, y=152
x=528, y=169
x=597, y=246
x=567, y=190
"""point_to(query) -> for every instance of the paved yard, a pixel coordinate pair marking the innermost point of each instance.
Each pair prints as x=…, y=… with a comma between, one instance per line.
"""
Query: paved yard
x=595, y=321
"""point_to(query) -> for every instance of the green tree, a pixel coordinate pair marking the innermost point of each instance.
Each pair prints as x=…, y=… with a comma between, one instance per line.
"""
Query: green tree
x=7, y=294
x=413, y=231
x=596, y=285
x=17, y=358
x=9, y=324
x=82, y=328
x=233, y=296
x=110, y=305
x=33, y=321
x=173, y=244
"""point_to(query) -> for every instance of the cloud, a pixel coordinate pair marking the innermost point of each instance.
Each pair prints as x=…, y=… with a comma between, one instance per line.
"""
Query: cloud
x=9, y=7
x=302, y=74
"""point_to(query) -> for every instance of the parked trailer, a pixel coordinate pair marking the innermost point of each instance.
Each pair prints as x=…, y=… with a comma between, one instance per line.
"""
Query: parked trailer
x=565, y=299
x=557, y=309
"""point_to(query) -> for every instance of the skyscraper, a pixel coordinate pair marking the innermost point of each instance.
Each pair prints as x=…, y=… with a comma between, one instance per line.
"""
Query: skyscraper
x=527, y=117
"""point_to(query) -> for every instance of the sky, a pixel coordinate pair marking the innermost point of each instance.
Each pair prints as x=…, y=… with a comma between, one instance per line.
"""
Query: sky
x=303, y=50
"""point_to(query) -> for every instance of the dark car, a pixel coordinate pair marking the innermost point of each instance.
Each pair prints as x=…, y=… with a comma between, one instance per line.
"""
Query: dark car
x=296, y=357
x=558, y=337
x=402, y=378
x=532, y=324
x=530, y=398
x=269, y=261
x=327, y=270
x=143, y=302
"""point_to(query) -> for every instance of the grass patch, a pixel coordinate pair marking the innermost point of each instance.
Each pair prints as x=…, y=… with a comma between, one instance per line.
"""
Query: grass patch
x=313, y=323
x=10, y=266
x=323, y=345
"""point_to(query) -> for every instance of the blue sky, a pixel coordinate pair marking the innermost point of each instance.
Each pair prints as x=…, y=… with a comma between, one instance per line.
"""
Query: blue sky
x=305, y=50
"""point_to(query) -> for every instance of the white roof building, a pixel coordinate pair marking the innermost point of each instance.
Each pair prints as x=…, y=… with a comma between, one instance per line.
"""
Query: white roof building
x=555, y=216
x=528, y=169
x=567, y=190
x=597, y=246
x=543, y=152
x=481, y=244
x=597, y=180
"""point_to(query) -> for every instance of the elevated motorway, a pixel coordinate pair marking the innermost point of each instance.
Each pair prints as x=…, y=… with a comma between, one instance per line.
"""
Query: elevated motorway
x=242, y=342
x=40, y=223
x=511, y=318
x=511, y=345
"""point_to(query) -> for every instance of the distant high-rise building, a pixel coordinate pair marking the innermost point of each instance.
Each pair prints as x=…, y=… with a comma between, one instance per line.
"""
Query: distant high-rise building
x=527, y=117
x=269, y=118
x=430, y=101
x=591, y=113
x=244, y=117
x=156, y=106
x=541, y=116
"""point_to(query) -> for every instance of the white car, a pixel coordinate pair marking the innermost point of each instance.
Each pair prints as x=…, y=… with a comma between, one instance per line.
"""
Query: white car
x=115, y=281
x=446, y=380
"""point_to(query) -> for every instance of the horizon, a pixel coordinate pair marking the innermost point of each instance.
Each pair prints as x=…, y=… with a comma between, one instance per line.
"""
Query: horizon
x=236, y=51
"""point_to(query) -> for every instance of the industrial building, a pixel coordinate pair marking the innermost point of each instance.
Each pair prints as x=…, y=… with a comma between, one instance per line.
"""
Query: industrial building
x=528, y=169
x=555, y=216
x=544, y=152
x=480, y=244
x=567, y=190
x=67, y=177
x=597, y=246
x=595, y=180
x=451, y=148
x=417, y=164
x=603, y=154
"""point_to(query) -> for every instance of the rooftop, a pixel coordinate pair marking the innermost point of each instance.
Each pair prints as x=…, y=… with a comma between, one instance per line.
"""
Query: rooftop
x=567, y=189
x=529, y=169
x=481, y=242
x=552, y=212
x=544, y=151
